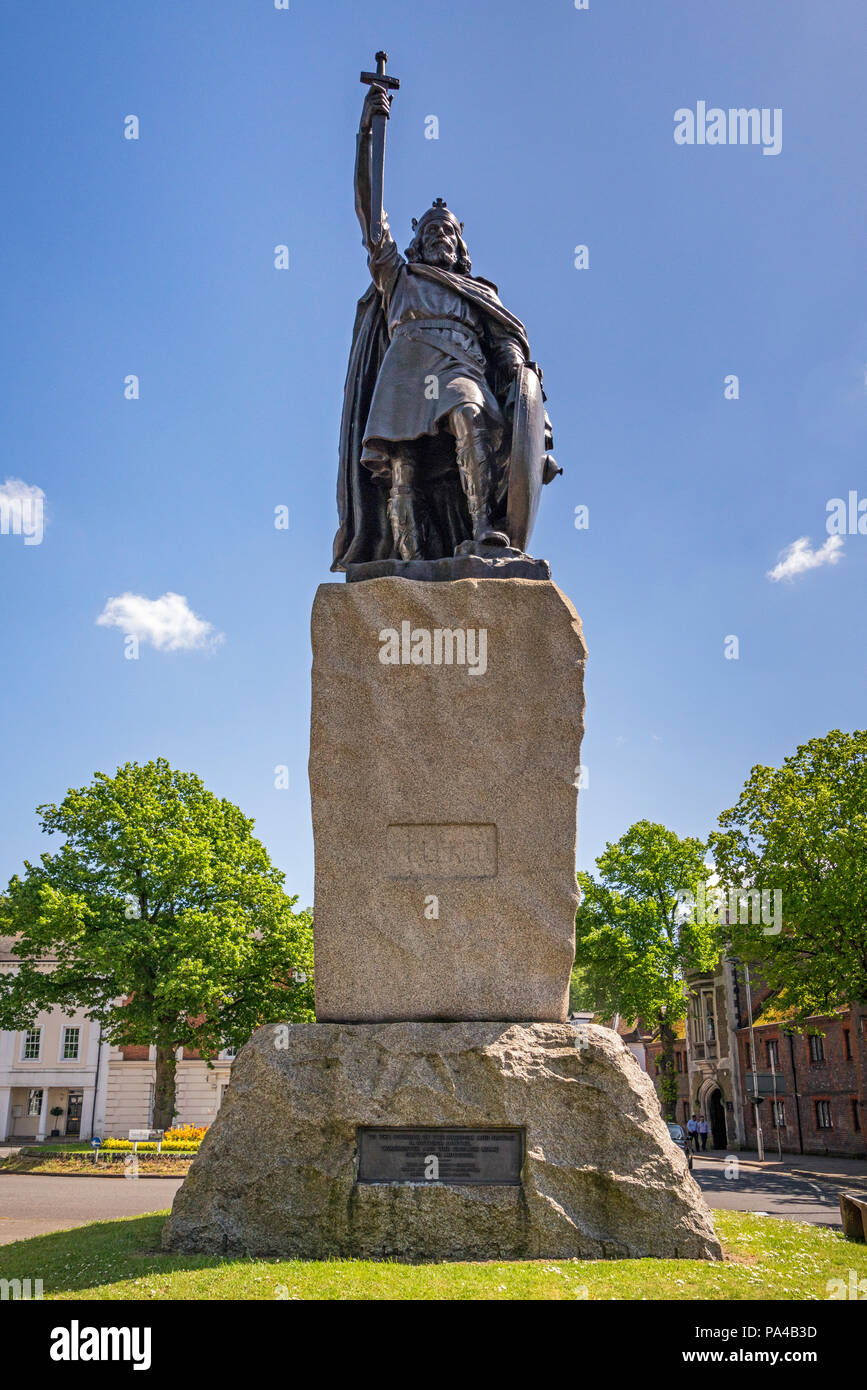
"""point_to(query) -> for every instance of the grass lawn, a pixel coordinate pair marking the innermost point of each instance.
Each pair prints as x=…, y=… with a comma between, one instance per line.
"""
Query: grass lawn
x=766, y=1258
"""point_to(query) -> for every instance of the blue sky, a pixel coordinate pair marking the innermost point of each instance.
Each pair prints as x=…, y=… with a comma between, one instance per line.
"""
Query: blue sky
x=155, y=258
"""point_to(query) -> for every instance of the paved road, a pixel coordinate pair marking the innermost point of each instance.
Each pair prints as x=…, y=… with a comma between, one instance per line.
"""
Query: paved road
x=32, y=1206
x=810, y=1198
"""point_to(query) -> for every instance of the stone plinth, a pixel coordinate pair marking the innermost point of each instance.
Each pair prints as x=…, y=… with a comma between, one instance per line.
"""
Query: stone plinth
x=276, y=1173
x=445, y=737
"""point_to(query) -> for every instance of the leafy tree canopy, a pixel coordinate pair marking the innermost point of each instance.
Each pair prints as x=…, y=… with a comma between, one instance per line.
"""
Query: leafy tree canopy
x=163, y=916
x=801, y=829
x=633, y=941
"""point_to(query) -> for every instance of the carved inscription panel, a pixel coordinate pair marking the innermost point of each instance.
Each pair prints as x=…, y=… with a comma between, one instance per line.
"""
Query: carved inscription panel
x=441, y=851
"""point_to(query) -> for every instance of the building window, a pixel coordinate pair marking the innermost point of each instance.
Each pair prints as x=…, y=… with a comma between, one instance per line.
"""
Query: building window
x=823, y=1114
x=70, y=1044
x=697, y=1026
x=847, y=1045
x=34, y=1102
x=817, y=1048
x=679, y=1059
x=778, y=1114
x=856, y=1118
x=32, y=1045
x=773, y=1049
x=710, y=1022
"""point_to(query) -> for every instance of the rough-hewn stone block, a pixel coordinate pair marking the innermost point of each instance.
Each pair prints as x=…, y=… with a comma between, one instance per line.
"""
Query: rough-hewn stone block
x=276, y=1173
x=444, y=793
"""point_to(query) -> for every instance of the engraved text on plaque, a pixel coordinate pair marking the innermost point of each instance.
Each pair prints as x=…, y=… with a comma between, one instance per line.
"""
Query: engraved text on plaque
x=456, y=1156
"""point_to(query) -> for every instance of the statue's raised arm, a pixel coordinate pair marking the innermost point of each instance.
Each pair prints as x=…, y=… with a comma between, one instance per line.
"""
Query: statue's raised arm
x=370, y=161
x=376, y=103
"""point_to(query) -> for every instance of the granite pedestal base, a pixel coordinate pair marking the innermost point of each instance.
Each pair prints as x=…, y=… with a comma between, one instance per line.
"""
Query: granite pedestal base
x=278, y=1172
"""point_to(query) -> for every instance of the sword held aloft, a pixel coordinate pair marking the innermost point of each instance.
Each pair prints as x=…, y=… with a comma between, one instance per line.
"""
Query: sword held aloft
x=377, y=157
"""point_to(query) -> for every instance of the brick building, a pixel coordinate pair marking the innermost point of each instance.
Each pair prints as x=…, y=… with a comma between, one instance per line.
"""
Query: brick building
x=812, y=1084
x=817, y=1103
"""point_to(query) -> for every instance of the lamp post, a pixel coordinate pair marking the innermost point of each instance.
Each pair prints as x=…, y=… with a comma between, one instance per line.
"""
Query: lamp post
x=760, y=1143
x=776, y=1115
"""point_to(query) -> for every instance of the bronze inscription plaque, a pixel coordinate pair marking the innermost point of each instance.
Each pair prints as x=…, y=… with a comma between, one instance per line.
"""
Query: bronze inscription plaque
x=456, y=1156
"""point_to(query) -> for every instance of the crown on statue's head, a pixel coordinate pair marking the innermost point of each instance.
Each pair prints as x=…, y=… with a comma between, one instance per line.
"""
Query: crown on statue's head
x=438, y=212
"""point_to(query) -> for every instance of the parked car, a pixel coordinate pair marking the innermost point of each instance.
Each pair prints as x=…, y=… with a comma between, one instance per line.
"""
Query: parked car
x=681, y=1139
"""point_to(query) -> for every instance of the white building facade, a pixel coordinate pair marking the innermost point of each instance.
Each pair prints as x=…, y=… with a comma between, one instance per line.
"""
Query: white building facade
x=62, y=1064
x=53, y=1079
x=130, y=1089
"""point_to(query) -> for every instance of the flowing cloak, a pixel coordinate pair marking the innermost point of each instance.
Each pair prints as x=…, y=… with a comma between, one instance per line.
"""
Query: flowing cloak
x=364, y=532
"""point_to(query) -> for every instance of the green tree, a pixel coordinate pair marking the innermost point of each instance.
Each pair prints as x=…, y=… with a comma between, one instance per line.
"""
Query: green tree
x=581, y=994
x=165, y=920
x=633, y=940
x=801, y=829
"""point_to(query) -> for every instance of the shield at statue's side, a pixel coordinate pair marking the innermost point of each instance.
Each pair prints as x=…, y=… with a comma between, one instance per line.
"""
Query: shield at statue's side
x=526, y=457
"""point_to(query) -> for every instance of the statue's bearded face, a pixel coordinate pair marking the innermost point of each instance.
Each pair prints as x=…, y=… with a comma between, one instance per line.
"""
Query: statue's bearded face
x=439, y=244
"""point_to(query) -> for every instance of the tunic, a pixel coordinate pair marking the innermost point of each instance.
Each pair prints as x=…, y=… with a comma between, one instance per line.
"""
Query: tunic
x=434, y=360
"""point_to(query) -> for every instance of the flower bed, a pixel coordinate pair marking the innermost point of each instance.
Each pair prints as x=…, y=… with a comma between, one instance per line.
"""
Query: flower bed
x=170, y=1146
x=196, y=1133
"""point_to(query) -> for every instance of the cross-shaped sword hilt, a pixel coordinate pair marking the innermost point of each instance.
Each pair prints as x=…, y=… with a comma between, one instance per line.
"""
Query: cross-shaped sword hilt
x=380, y=77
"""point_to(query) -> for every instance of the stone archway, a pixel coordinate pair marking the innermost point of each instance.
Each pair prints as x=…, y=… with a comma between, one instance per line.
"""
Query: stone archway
x=712, y=1107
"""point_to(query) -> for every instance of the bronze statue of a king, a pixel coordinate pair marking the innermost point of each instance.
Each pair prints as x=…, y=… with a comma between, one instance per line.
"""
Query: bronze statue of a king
x=444, y=433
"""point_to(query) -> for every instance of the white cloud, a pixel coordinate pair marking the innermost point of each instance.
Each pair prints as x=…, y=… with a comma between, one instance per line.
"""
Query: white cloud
x=168, y=623
x=797, y=558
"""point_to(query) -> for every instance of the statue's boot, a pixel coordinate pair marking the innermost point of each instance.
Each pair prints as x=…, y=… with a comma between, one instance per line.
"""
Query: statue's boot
x=475, y=458
x=405, y=526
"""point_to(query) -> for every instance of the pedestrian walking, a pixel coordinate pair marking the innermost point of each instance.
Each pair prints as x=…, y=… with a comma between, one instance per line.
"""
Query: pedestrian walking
x=692, y=1130
x=703, y=1131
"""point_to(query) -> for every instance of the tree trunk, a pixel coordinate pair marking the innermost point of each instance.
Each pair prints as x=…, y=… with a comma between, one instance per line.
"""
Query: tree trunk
x=667, y=1073
x=164, y=1088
